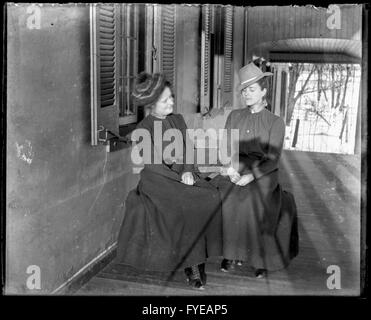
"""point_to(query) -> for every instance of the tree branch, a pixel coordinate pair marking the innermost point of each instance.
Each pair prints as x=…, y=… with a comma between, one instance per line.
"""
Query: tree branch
x=305, y=84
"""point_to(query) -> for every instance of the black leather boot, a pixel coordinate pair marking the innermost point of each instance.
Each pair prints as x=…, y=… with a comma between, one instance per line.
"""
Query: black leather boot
x=261, y=273
x=203, y=275
x=194, y=277
x=227, y=265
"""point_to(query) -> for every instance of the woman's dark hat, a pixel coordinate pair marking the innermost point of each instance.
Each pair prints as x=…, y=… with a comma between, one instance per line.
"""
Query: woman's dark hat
x=250, y=74
x=148, y=88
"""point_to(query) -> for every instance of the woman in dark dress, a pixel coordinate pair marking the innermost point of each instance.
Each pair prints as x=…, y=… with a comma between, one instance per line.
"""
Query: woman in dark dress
x=173, y=218
x=259, y=218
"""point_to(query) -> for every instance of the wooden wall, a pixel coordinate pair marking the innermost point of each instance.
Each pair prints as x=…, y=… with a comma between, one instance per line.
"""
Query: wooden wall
x=187, y=58
x=275, y=23
x=64, y=197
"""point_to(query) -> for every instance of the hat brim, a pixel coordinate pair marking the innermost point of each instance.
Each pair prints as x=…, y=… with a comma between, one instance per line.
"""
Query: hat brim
x=250, y=82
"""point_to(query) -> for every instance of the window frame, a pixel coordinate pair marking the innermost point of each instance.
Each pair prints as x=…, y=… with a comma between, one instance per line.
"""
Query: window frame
x=129, y=38
x=104, y=120
x=217, y=80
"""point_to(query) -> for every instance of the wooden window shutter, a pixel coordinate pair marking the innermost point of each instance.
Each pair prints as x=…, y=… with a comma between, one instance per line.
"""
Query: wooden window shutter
x=216, y=88
x=273, y=91
x=228, y=37
x=104, y=69
x=128, y=60
x=168, y=32
x=271, y=88
x=107, y=55
x=283, y=95
x=205, y=59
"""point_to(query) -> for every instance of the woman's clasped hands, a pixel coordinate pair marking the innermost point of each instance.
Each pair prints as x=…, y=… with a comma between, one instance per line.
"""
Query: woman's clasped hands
x=236, y=178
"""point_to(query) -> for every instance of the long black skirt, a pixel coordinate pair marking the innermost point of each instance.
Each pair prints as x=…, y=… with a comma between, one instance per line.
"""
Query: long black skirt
x=260, y=224
x=169, y=225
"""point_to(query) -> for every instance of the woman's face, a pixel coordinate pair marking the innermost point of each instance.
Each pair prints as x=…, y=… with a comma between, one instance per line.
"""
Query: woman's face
x=165, y=103
x=253, y=94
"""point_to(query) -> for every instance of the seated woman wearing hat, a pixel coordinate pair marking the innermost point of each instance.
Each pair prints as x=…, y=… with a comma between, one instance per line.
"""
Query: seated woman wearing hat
x=259, y=218
x=173, y=218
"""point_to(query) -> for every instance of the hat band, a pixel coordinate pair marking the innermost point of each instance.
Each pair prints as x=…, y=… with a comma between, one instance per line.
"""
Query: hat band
x=249, y=80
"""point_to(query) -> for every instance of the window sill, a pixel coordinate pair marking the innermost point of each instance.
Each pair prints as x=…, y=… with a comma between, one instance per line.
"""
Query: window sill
x=127, y=120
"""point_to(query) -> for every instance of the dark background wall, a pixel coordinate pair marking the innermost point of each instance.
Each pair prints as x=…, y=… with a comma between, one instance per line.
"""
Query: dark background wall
x=188, y=56
x=64, y=197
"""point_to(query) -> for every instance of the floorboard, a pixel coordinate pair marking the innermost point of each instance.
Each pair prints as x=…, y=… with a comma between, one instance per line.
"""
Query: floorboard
x=327, y=192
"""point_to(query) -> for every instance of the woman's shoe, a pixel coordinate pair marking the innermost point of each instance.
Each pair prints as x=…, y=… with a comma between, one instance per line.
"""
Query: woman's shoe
x=194, y=277
x=261, y=273
x=201, y=268
x=227, y=265
x=203, y=275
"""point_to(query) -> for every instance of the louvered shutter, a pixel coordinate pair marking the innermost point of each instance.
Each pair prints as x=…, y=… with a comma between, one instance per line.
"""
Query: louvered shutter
x=228, y=72
x=205, y=59
x=271, y=88
x=104, y=93
x=128, y=59
x=274, y=89
x=168, y=30
x=107, y=55
x=283, y=95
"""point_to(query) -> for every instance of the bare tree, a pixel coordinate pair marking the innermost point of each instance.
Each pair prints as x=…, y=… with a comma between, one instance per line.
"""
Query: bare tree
x=345, y=86
x=295, y=71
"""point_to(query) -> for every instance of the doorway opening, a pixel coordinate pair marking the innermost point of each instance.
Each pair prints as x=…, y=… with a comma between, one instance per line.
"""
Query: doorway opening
x=320, y=104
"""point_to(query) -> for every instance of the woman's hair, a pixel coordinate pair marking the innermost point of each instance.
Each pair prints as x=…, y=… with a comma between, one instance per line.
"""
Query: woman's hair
x=264, y=84
x=166, y=84
x=148, y=88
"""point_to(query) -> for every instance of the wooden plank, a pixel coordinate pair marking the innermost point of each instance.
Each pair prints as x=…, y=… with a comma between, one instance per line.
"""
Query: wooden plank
x=291, y=18
x=273, y=22
x=299, y=22
x=100, y=286
x=323, y=31
x=328, y=231
x=285, y=26
x=236, y=283
x=253, y=18
x=320, y=172
x=310, y=26
x=357, y=24
x=265, y=23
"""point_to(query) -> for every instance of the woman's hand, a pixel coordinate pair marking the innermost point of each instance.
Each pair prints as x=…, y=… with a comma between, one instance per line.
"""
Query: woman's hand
x=245, y=179
x=223, y=171
x=235, y=177
x=232, y=173
x=228, y=171
x=187, y=178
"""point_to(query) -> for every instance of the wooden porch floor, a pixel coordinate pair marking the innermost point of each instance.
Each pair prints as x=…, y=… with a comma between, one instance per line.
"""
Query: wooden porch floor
x=327, y=192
